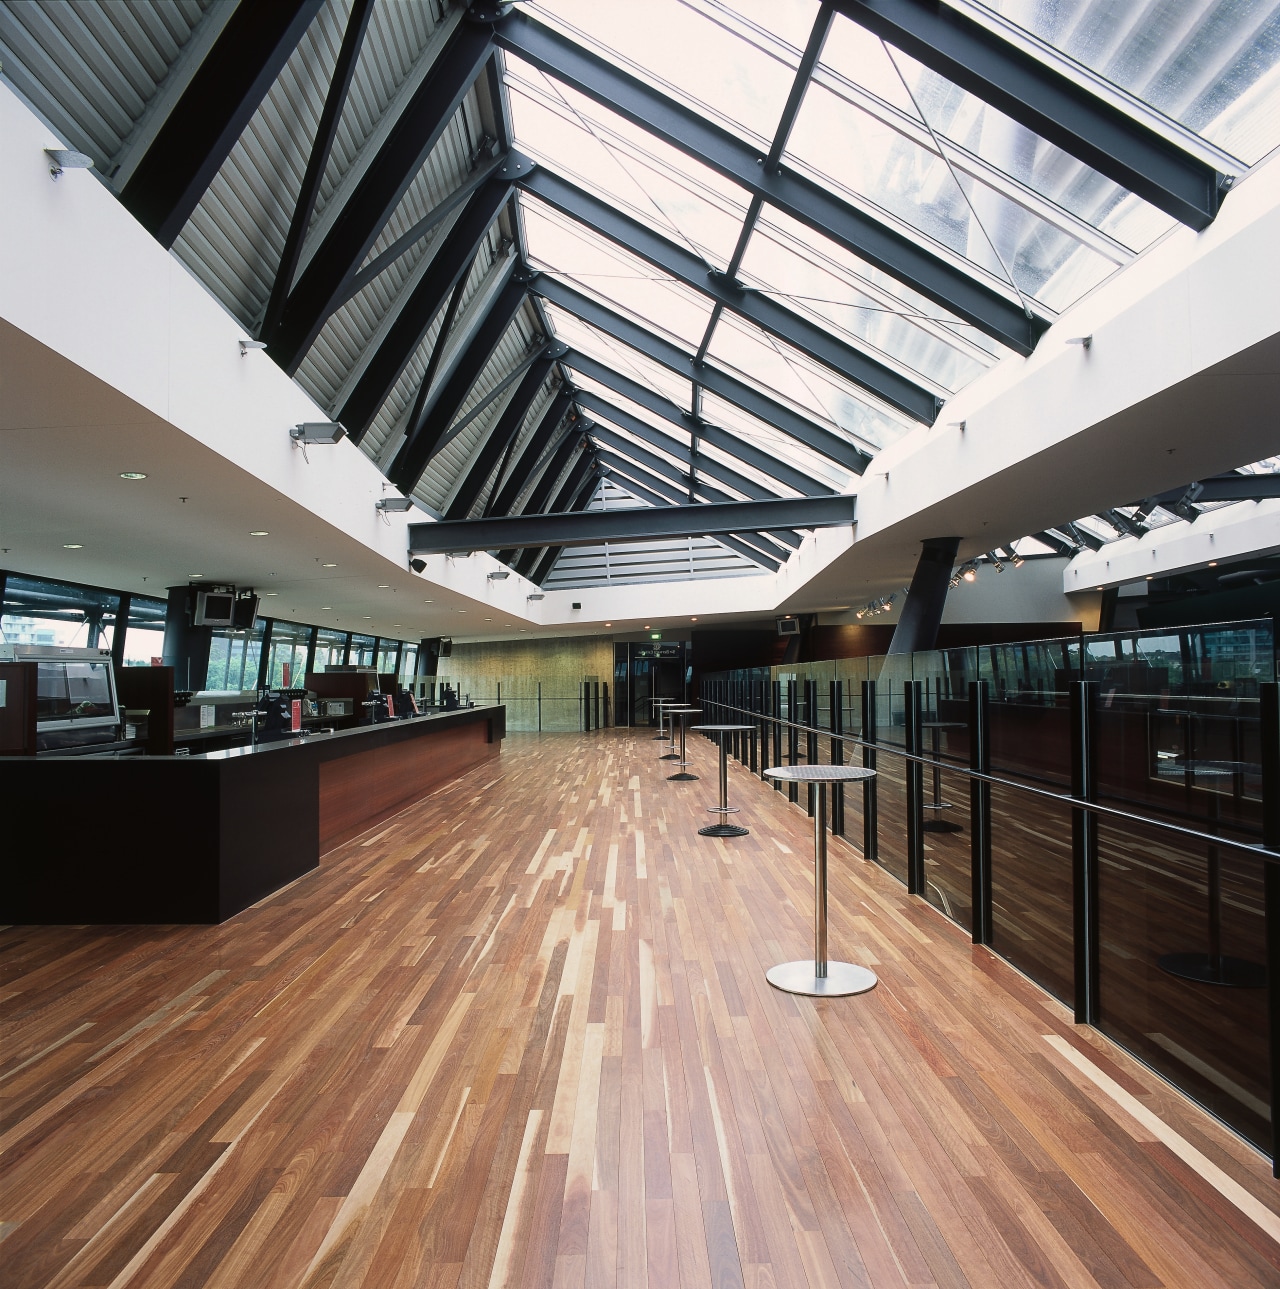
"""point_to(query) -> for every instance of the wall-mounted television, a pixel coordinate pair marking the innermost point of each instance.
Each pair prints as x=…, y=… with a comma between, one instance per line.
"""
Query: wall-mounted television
x=788, y=626
x=215, y=609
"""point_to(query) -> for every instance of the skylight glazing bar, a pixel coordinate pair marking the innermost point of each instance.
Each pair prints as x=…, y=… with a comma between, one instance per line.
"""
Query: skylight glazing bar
x=936, y=277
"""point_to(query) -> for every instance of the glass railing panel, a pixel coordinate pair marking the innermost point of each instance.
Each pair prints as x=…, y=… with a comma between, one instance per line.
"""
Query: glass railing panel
x=947, y=830
x=1196, y=1016
x=1031, y=892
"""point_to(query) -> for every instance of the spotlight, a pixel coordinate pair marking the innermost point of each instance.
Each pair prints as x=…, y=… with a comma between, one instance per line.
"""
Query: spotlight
x=1085, y=342
x=61, y=159
x=969, y=572
x=399, y=504
x=246, y=345
x=418, y=565
x=499, y=575
x=1018, y=561
x=536, y=595
x=317, y=432
x=995, y=561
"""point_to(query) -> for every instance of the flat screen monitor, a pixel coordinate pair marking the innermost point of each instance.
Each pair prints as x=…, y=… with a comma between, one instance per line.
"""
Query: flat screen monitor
x=215, y=609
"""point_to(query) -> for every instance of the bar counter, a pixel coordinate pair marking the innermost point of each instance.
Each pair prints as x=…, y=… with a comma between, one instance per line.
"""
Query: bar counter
x=196, y=839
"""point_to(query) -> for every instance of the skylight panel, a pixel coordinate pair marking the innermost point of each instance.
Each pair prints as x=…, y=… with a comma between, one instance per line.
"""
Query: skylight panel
x=682, y=51
x=1214, y=68
x=789, y=376
x=606, y=272
x=649, y=180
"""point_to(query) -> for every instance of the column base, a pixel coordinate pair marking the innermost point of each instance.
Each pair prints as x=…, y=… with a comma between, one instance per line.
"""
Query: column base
x=842, y=979
x=682, y=777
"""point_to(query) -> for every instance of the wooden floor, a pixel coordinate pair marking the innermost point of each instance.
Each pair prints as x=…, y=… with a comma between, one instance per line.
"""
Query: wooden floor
x=521, y=1036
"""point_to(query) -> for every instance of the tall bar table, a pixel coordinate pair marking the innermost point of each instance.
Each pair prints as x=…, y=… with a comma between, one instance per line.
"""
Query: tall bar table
x=820, y=978
x=724, y=828
x=682, y=775
x=661, y=704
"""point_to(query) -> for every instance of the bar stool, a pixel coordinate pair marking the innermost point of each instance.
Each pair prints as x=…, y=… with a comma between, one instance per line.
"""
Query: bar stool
x=724, y=828
x=938, y=823
x=682, y=775
x=672, y=705
x=820, y=978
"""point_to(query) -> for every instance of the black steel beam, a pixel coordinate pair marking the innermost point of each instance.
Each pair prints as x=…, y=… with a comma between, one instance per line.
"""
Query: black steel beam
x=635, y=478
x=449, y=265
x=666, y=354
x=680, y=263
x=542, y=569
x=682, y=478
x=326, y=131
x=212, y=112
x=425, y=439
x=500, y=437
x=948, y=284
x=1227, y=487
x=663, y=408
x=1046, y=101
x=632, y=525
x=379, y=190
x=572, y=497
x=656, y=438
x=539, y=499
x=1055, y=544
x=504, y=499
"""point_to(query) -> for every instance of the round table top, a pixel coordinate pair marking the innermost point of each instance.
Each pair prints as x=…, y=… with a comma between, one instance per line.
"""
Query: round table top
x=1206, y=769
x=721, y=729
x=686, y=711
x=943, y=725
x=821, y=773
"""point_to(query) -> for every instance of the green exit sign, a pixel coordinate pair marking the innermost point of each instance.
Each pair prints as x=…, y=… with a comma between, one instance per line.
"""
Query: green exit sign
x=655, y=635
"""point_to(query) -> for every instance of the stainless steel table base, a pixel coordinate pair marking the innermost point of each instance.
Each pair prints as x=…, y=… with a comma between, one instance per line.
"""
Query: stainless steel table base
x=939, y=824
x=724, y=828
x=820, y=978
x=682, y=776
x=842, y=979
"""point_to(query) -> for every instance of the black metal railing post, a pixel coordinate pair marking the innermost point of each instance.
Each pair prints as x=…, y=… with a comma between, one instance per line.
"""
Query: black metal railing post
x=811, y=741
x=777, y=730
x=1084, y=850
x=1269, y=731
x=837, y=756
x=914, y=705
x=870, y=824
x=539, y=707
x=793, y=740
x=980, y=810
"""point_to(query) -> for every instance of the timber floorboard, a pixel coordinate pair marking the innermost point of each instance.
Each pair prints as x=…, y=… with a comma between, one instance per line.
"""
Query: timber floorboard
x=520, y=1035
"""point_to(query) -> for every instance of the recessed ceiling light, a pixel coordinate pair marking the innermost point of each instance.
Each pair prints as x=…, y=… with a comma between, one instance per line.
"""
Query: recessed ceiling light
x=328, y=566
x=271, y=593
x=72, y=546
x=195, y=574
x=462, y=610
x=693, y=619
x=384, y=586
x=323, y=607
x=395, y=626
x=488, y=619
x=1213, y=563
x=132, y=474
x=608, y=624
x=366, y=616
x=259, y=532
x=428, y=601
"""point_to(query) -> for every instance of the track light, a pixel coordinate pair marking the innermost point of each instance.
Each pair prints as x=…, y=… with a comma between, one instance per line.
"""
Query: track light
x=969, y=572
x=995, y=561
x=61, y=159
x=1018, y=561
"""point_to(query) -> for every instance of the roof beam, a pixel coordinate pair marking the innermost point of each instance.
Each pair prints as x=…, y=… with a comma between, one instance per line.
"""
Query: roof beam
x=504, y=499
x=540, y=496
x=753, y=546
x=445, y=273
x=326, y=131
x=631, y=525
x=574, y=496
x=669, y=355
x=1046, y=101
x=653, y=402
x=223, y=94
x=500, y=437
x=1227, y=487
x=667, y=469
x=424, y=440
x=646, y=488
x=942, y=280
x=388, y=176
x=879, y=379
x=681, y=451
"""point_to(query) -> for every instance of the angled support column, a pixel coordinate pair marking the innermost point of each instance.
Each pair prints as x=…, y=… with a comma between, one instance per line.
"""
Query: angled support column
x=922, y=615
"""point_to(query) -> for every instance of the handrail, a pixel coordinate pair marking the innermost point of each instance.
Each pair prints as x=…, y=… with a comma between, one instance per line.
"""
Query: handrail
x=1074, y=803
